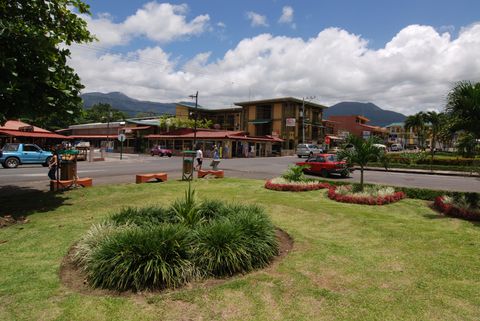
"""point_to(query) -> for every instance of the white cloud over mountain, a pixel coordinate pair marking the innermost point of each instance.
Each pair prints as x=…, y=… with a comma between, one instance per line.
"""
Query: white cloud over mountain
x=412, y=72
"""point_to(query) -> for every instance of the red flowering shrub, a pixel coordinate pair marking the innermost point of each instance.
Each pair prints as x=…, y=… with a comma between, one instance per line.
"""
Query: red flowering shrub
x=451, y=210
x=362, y=199
x=295, y=187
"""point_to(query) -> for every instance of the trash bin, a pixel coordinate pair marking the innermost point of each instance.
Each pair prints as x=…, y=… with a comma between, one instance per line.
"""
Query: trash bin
x=188, y=162
x=68, y=170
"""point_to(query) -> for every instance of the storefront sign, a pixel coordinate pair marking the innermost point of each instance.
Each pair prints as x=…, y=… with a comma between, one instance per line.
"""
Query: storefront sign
x=290, y=122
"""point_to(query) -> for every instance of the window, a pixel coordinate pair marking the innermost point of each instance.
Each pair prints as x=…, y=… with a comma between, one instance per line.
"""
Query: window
x=320, y=159
x=264, y=112
x=30, y=148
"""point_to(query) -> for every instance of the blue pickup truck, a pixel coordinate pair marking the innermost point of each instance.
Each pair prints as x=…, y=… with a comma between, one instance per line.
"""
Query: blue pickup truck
x=15, y=154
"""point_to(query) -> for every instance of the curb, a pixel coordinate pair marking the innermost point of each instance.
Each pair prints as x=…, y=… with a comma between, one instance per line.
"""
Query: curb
x=420, y=171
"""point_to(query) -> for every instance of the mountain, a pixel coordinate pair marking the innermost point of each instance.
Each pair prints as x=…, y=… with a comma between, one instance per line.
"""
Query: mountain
x=377, y=115
x=126, y=104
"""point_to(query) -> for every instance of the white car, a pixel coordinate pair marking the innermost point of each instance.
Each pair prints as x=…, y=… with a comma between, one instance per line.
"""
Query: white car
x=308, y=150
x=396, y=147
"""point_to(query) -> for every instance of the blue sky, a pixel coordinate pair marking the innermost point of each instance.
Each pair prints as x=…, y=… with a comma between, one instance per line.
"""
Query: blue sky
x=233, y=50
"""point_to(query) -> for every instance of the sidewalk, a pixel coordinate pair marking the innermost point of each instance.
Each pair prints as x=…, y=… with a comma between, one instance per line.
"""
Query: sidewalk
x=421, y=171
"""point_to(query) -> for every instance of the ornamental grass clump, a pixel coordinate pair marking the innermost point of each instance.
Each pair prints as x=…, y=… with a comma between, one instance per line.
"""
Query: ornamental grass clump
x=155, y=247
x=461, y=205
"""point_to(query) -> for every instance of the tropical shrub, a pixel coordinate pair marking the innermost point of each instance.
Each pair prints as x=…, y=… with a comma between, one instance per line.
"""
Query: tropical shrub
x=156, y=247
x=295, y=173
x=281, y=184
x=370, y=195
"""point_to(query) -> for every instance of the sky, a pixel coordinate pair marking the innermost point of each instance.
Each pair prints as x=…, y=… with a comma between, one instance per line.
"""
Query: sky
x=403, y=56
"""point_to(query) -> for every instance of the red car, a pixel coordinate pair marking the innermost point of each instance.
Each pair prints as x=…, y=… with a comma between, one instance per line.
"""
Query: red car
x=160, y=151
x=326, y=164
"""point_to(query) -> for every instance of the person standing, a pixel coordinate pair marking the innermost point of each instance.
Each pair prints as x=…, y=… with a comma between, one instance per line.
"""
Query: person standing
x=199, y=158
x=53, y=165
x=215, y=152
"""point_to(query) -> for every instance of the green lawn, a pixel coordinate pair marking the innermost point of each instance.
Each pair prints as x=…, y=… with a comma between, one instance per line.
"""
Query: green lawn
x=349, y=262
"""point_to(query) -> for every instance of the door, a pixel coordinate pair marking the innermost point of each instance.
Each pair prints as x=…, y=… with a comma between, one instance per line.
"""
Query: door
x=31, y=154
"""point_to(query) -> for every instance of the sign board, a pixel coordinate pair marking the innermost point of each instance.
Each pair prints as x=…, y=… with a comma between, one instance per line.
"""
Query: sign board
x=290, y=122
x=122, y=137
x=327, y=140
x=366, y=134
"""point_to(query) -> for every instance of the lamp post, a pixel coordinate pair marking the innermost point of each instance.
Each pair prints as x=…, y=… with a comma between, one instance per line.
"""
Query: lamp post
x=195, y=119
x=109, y=115
x=303, y=116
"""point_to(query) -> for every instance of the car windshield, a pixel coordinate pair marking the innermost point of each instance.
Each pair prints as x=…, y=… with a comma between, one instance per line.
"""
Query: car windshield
x=332, y=158
x=313, y=146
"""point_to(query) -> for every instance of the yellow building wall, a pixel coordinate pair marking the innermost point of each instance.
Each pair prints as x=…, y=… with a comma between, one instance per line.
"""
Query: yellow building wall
x=181, y=112
x=277, y=119
x=251, y=116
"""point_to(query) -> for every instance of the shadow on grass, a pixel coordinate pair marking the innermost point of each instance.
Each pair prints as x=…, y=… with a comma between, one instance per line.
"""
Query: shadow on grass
x=23, y=201
x=440, y=216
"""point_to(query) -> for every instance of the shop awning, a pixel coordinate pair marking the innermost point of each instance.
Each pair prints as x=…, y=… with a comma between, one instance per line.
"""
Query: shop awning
x=17, y=133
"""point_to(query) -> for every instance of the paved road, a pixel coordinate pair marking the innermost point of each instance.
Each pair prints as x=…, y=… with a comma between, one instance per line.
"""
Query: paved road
x=114, y=170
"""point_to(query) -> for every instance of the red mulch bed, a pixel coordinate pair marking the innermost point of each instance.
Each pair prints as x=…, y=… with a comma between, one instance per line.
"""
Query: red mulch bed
x=365, y=200
x=292, y=187
x=451, y=210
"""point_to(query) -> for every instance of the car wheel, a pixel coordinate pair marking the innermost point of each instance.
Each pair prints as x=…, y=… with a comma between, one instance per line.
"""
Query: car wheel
x=299, y=156
x=152, y=153
x=160, y=154
x=12, y=162
x=310, y=155
x=169, y=155
x=47, y=161
x=324, y=173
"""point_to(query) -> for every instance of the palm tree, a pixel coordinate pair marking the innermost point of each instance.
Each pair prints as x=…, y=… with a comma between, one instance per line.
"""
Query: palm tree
x=463, y=107
x=417, y=124
x=362, y=152
x=435, y=121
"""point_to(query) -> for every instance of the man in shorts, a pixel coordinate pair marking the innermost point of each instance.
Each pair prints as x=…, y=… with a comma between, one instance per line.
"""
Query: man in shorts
x=199, y=158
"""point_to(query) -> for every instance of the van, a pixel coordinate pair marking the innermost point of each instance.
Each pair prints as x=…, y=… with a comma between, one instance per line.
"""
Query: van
x=307, y=150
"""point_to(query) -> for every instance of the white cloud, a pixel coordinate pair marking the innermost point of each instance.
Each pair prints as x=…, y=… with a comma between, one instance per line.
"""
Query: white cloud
x=257, y=20
x=221, y=25
x=414, y=71
x=160, y=22
x=287, y=15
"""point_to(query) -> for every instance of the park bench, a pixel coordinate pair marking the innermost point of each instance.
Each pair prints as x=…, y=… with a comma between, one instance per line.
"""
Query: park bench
x=56, y=185
x=217, y=173
x=143, y=178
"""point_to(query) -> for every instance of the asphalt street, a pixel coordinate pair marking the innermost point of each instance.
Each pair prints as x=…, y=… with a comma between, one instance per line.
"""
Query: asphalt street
x=116, y=171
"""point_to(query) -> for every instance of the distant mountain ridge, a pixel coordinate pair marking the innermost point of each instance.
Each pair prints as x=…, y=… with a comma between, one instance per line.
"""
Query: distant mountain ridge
x=377, y=115
x=128, y=105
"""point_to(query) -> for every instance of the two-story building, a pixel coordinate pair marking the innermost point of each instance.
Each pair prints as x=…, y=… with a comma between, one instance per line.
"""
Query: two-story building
x=357, y=125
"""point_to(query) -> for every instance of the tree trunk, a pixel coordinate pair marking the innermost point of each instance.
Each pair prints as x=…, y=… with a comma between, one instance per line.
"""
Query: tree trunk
x=361, y=178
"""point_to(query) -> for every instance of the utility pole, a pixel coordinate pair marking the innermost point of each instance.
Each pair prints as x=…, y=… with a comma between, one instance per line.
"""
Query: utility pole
x=195, y=119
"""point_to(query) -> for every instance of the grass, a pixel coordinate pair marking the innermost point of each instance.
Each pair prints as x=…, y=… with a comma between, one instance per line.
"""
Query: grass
x=350, y=262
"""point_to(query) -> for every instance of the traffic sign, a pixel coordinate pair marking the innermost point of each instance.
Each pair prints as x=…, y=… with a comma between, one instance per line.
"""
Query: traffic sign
x=122, y=137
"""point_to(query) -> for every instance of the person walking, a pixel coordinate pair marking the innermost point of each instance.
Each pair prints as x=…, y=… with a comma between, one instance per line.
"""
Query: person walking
x=199, y=158
x=53, y=165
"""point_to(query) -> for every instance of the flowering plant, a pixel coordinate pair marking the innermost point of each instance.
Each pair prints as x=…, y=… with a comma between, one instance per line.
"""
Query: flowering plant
x=446, y=205
x=369, y=196
x=281, y=184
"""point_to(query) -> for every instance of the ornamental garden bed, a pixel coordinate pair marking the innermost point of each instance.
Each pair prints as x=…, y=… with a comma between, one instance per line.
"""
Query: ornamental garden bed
x=371, y=195
x=281, y=184
x=465, y=206
x=155, y=248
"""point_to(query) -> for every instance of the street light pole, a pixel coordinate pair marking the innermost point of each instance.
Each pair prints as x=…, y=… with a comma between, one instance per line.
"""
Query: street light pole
x=108, y=129
x=195, y=119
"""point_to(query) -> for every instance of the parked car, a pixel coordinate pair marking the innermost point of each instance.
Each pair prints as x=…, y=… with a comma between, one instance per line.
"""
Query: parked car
x=381, y=147
x=160, y=151
x=396, y=147
x=307, y=150
x=326, y=164
x=14, y=154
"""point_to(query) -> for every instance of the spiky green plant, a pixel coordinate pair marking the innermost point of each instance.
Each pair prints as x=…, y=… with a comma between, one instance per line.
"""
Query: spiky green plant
x=141, y=215
x=186, y=210
x=143, y=258
x=294, y=173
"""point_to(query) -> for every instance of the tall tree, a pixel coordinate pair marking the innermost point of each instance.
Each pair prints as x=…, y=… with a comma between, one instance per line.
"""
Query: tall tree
x=463, y=107
x=362, y=152
x=35, y=81
x=435, y=121
x=99, y=113
x=417, y=124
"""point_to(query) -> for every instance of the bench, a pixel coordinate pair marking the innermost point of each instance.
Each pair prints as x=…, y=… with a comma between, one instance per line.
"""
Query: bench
x=143, y=178
x=216, y=173
x=56, y=185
